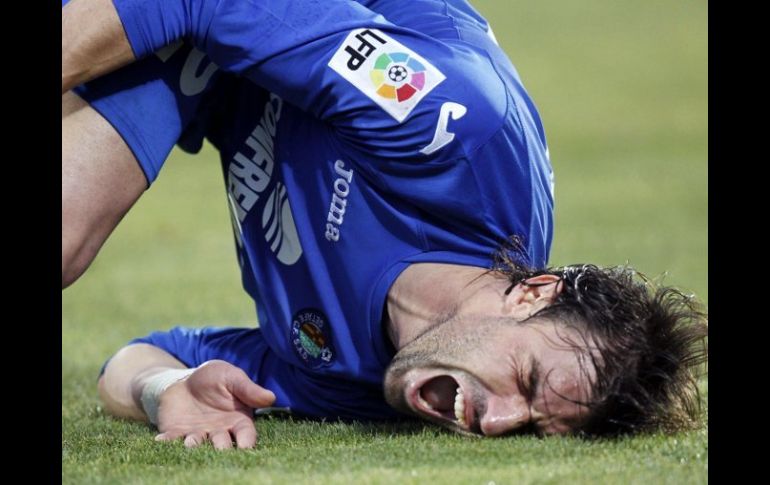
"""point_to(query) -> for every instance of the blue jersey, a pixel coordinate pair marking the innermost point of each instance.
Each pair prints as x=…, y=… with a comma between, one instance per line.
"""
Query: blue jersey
x=356, y=139
x=156, y=102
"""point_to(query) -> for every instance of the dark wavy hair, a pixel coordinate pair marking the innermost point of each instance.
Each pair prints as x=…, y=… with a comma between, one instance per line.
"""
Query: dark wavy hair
x=651, y=343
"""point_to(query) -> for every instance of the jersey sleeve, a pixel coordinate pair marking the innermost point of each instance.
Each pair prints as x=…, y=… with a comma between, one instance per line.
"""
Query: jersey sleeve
x=439, y=119
x=304, y=393
x=151, y=103
x=389, y=91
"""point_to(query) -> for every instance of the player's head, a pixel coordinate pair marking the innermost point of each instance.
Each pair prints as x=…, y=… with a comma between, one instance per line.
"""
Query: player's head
x=598, y=351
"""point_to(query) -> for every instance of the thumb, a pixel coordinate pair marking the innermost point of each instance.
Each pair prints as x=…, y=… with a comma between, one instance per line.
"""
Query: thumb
x=249, y=393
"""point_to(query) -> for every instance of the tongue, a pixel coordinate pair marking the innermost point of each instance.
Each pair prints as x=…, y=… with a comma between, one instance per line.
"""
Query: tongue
x=440, y=393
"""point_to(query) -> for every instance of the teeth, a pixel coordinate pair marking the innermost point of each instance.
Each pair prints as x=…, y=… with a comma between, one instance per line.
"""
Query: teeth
x=460, y=407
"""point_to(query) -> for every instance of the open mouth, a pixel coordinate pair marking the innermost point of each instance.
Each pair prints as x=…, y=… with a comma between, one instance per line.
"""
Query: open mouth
x=443, y=398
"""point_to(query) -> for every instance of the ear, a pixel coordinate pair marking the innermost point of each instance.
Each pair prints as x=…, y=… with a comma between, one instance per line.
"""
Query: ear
x=533, y=294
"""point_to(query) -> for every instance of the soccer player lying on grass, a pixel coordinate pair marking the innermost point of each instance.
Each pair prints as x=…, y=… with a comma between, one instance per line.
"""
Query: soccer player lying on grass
x=374, y=162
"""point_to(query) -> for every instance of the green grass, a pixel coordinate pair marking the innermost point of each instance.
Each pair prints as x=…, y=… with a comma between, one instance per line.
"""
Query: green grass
x=304, y=452
x=622, y=89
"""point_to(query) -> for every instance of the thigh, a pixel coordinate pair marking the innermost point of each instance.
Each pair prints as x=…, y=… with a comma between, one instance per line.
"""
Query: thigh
x=101, y=180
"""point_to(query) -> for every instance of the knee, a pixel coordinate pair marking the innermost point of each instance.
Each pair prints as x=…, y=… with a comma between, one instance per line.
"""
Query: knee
x=75, y=255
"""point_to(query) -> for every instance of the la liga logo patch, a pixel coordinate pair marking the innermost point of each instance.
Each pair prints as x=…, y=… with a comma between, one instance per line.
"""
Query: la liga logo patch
x=388, y=72
x=398, y=76
x=311, y=338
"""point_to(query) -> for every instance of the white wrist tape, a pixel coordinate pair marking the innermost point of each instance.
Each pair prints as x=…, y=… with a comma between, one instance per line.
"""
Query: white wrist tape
x=155, y=386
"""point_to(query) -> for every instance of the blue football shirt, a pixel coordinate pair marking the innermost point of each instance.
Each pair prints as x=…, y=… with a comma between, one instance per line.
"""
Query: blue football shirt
x=356, y=139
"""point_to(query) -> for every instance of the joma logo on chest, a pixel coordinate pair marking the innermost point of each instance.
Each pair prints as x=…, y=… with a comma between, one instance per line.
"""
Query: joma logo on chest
x=336, y=215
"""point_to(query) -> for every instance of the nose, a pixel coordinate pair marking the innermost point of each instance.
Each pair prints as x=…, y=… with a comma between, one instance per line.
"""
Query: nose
x=505, y=414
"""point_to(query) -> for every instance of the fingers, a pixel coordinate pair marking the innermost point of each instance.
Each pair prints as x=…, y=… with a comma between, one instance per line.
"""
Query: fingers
x=221, y=440
x=191, y=439
x=194, y=439
x=248, y=392
x=169, y=436
x=245, y=434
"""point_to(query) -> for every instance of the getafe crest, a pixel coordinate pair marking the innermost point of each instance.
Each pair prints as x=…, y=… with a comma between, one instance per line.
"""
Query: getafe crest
x=311, y=338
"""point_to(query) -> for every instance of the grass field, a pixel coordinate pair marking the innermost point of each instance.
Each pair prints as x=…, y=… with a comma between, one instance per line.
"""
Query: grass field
x=622, y=89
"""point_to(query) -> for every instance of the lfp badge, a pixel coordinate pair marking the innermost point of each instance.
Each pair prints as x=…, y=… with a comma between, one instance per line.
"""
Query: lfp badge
x=311, y=338
x=385, y=70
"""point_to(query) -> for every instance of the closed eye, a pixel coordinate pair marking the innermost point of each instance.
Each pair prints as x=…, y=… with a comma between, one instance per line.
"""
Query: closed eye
x=527, y=381
x=530, y=383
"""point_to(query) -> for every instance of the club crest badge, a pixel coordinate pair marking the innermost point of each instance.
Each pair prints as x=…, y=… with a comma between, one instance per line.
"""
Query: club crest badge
x=311, y=338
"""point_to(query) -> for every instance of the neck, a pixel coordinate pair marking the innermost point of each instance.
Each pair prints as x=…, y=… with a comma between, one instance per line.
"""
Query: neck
x=428, y=294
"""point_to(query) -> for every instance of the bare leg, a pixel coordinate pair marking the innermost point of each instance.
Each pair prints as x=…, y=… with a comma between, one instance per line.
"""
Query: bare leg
x=101, y=180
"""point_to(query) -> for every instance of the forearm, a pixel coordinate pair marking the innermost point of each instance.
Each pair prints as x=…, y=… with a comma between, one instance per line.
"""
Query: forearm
x=124, y=378
x=93, y=41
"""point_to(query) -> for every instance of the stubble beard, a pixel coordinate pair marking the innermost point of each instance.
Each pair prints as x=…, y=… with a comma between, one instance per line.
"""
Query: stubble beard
x=447, y=345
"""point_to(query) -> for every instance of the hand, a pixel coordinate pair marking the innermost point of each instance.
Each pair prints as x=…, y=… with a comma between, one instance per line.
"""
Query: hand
x=214, y=404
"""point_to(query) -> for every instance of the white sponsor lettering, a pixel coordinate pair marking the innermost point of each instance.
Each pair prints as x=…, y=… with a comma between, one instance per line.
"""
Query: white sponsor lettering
x=190, y=83
x=336, y=215
x=389, y=73
x=249, y=174
x=442, y=137
x=280, y=230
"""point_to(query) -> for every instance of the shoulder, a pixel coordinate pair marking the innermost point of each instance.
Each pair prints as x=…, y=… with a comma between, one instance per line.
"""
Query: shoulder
x=421, y=93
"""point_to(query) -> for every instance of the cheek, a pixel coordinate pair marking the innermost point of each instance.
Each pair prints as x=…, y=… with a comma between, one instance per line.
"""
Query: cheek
x=480, y=346
x=561, y=398
x=496, y=368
